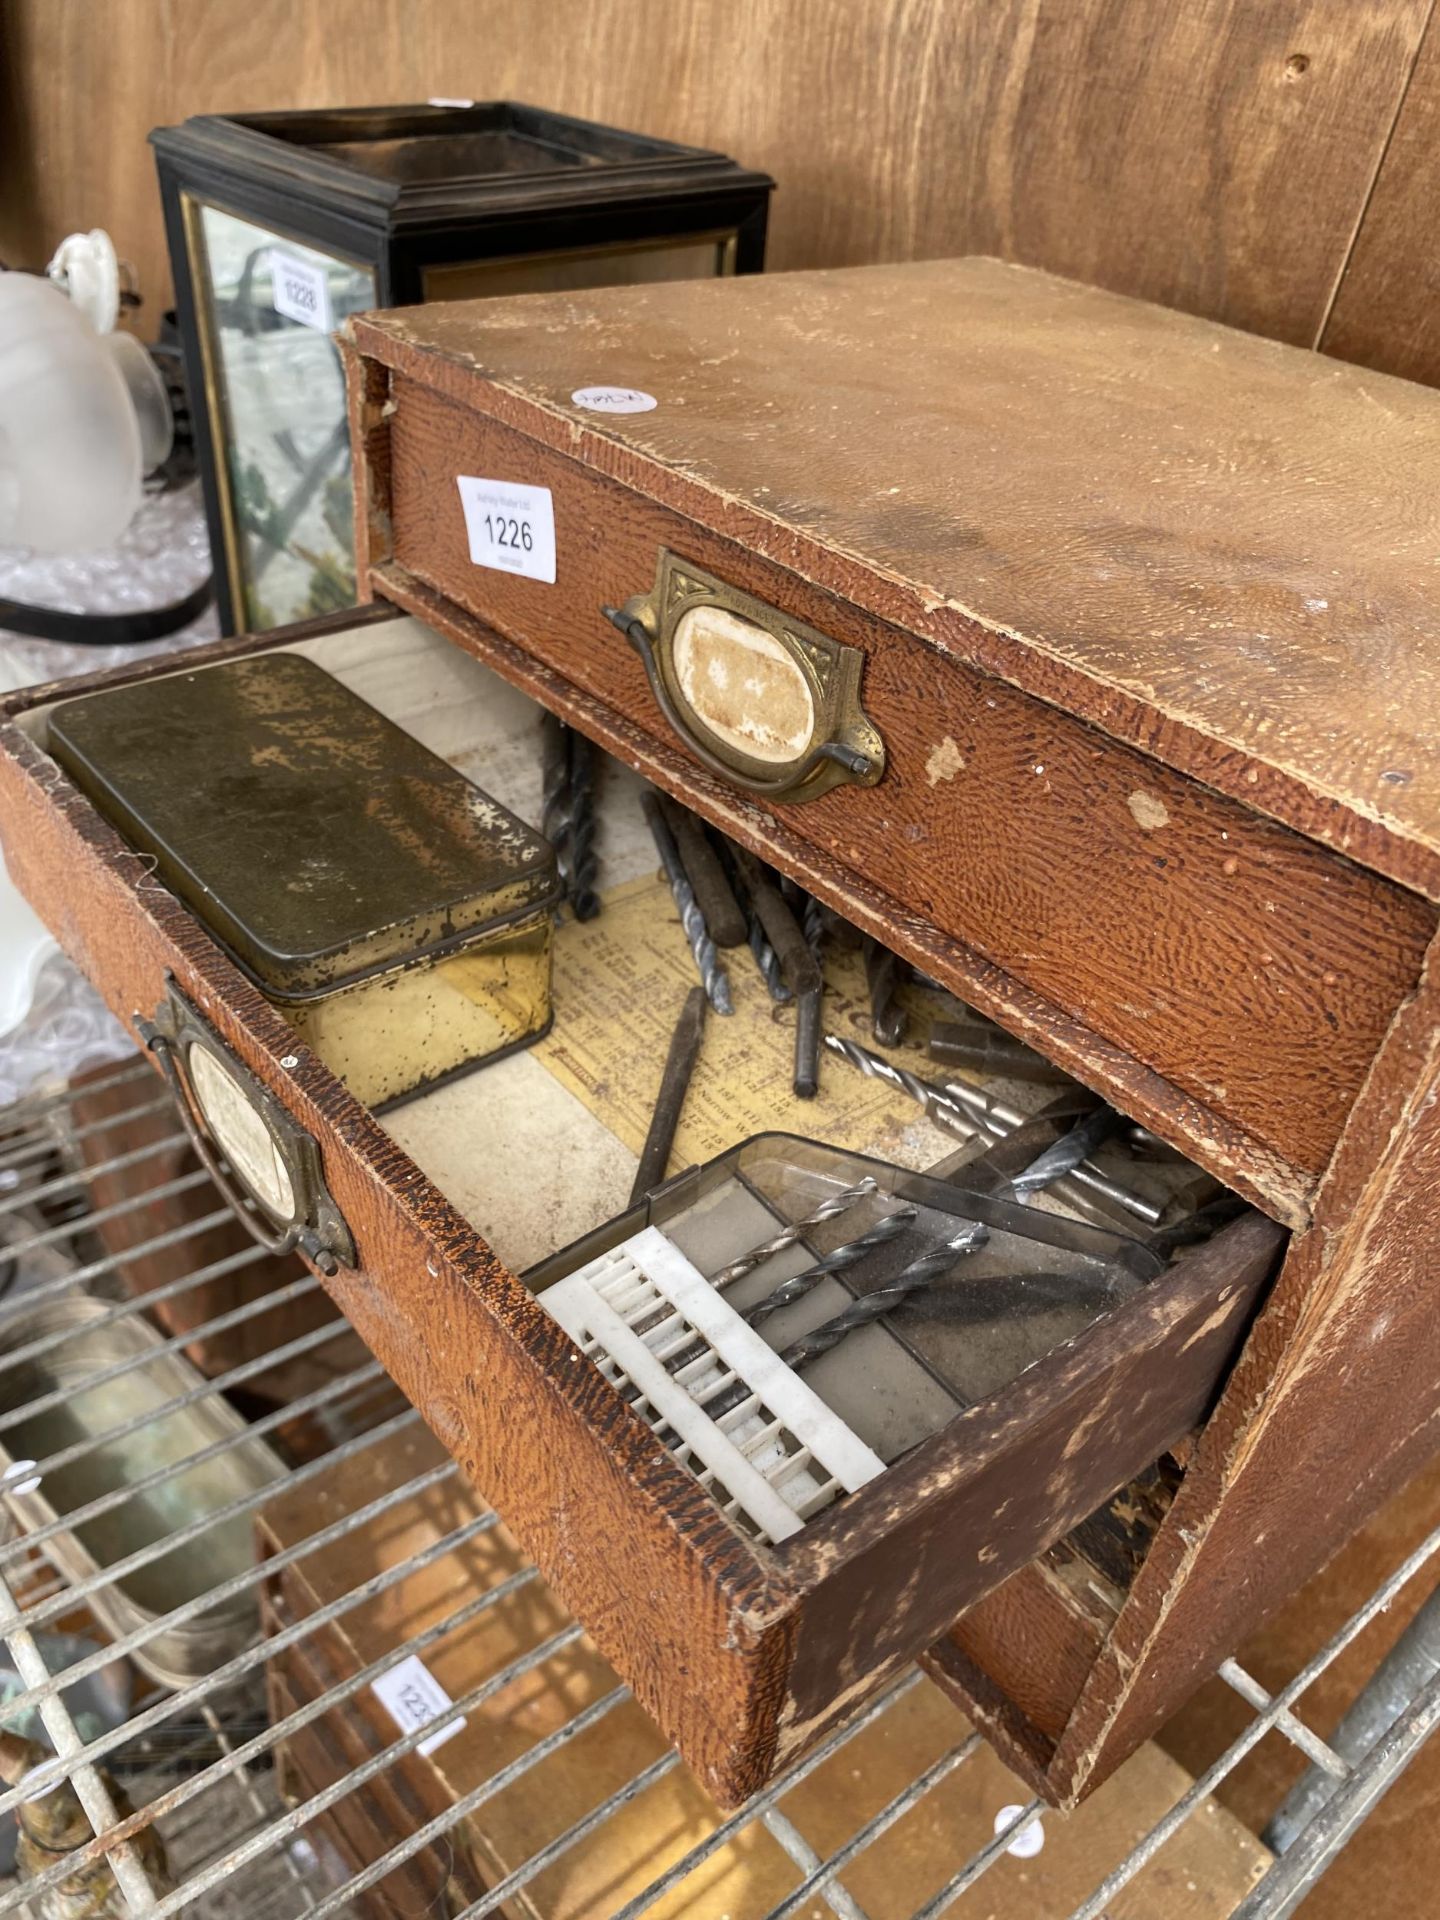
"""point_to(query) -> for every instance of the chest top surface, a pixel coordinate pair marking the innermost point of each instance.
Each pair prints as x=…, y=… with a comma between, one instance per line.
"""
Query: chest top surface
x=1222, y=548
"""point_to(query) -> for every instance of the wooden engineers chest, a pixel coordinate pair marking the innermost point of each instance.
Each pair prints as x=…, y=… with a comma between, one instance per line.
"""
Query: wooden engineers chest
x=1123, y=646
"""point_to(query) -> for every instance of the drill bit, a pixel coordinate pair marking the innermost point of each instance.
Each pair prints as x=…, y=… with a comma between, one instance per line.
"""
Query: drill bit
x=725, y=1399
x=1104, y=1121
x=796, y=1288
x=922, y=1273
x=782, y=929
x=967, y=1112
x=808, y=1009
x=806, y=1081
x=887, y=1016
x=768, y=964
x=830, y=1209
x=724, y=921
x=761, y=951
x=555, y=791
x=997, y=1118
x=583, y=862
x=674, y=1083
x=707, y=960
x=1068, y=1153
x=937, y=1102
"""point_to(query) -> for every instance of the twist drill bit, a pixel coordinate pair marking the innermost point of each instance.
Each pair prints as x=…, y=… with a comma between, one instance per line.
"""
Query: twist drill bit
x=997, y=1118
x=763, y=954
x=937, y=1102
x=921, y=1274
x=830, y=1209
x=707, y=960
x=769, y=965
x=584, y=864
x=1066, y=1155
x=674, y=1083
x=725, y=1399
x=796, y=1288
x=968, y=1113
x=723, y=919
x=808, y=1009
x=1105, y=1121
x=882, y=976
x=555, y=791
x=812, y=922
x=782, y=929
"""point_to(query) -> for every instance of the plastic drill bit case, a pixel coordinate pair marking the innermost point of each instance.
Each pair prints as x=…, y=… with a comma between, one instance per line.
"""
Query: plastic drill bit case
x=792, y=1434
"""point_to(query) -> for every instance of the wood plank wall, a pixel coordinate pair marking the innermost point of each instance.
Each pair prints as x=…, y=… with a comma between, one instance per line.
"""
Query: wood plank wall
x=1273, y=163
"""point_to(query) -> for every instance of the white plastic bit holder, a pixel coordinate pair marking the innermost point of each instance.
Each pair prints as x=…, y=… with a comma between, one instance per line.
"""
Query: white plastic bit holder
x=772, y=1461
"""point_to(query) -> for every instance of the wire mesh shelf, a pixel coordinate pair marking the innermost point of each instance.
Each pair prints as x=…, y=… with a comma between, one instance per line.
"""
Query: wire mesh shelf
x=336, y=1688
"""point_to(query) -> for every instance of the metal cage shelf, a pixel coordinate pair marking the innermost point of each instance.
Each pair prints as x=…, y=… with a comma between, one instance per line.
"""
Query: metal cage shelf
x=202, y=1765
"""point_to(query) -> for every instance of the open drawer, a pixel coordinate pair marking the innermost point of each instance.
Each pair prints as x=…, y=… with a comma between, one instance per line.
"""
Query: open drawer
x=743, y=1648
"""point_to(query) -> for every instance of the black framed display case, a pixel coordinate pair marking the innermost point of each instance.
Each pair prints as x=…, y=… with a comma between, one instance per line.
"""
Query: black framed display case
x=281, y=225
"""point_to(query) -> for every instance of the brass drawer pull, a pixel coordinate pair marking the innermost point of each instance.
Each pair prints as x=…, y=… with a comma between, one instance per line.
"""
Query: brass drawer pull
x=265, y=1166
x=765, y=701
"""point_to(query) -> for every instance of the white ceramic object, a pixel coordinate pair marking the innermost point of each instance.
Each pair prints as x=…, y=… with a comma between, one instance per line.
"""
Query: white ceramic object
x=70, y=443
x=25, y=946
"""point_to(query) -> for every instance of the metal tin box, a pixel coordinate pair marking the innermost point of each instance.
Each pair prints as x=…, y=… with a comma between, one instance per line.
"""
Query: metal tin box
x=395, y=914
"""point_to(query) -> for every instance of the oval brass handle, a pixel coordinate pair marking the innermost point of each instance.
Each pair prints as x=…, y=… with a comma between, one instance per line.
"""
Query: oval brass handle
x=315, y=1227
x=700, y=639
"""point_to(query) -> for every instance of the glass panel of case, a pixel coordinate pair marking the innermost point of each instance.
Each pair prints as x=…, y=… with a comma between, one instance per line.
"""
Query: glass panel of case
x=268, y=307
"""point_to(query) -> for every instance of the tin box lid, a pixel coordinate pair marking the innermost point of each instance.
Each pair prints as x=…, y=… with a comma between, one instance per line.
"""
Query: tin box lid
x=313, y=836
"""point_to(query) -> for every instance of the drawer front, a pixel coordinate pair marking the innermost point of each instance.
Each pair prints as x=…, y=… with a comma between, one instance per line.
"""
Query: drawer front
x=1127, y=896
x=743, y=1654
x=676, y=1600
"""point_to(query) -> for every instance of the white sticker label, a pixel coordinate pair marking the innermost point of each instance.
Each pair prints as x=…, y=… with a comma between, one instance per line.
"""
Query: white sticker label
x=1029, y=1840
x=414, y=1698
x=614, y=400
x=300, y=291
x=510, y=527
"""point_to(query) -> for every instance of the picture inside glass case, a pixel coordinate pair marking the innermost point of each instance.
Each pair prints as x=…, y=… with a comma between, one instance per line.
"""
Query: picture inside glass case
x=270, y=308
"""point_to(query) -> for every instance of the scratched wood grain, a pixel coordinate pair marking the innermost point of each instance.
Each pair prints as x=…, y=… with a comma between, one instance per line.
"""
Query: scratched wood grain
x=1112, y=886
x=1156, y=523
x=1333, y=1405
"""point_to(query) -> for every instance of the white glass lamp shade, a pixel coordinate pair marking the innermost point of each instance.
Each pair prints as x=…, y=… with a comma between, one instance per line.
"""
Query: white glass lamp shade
x=70, y=443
